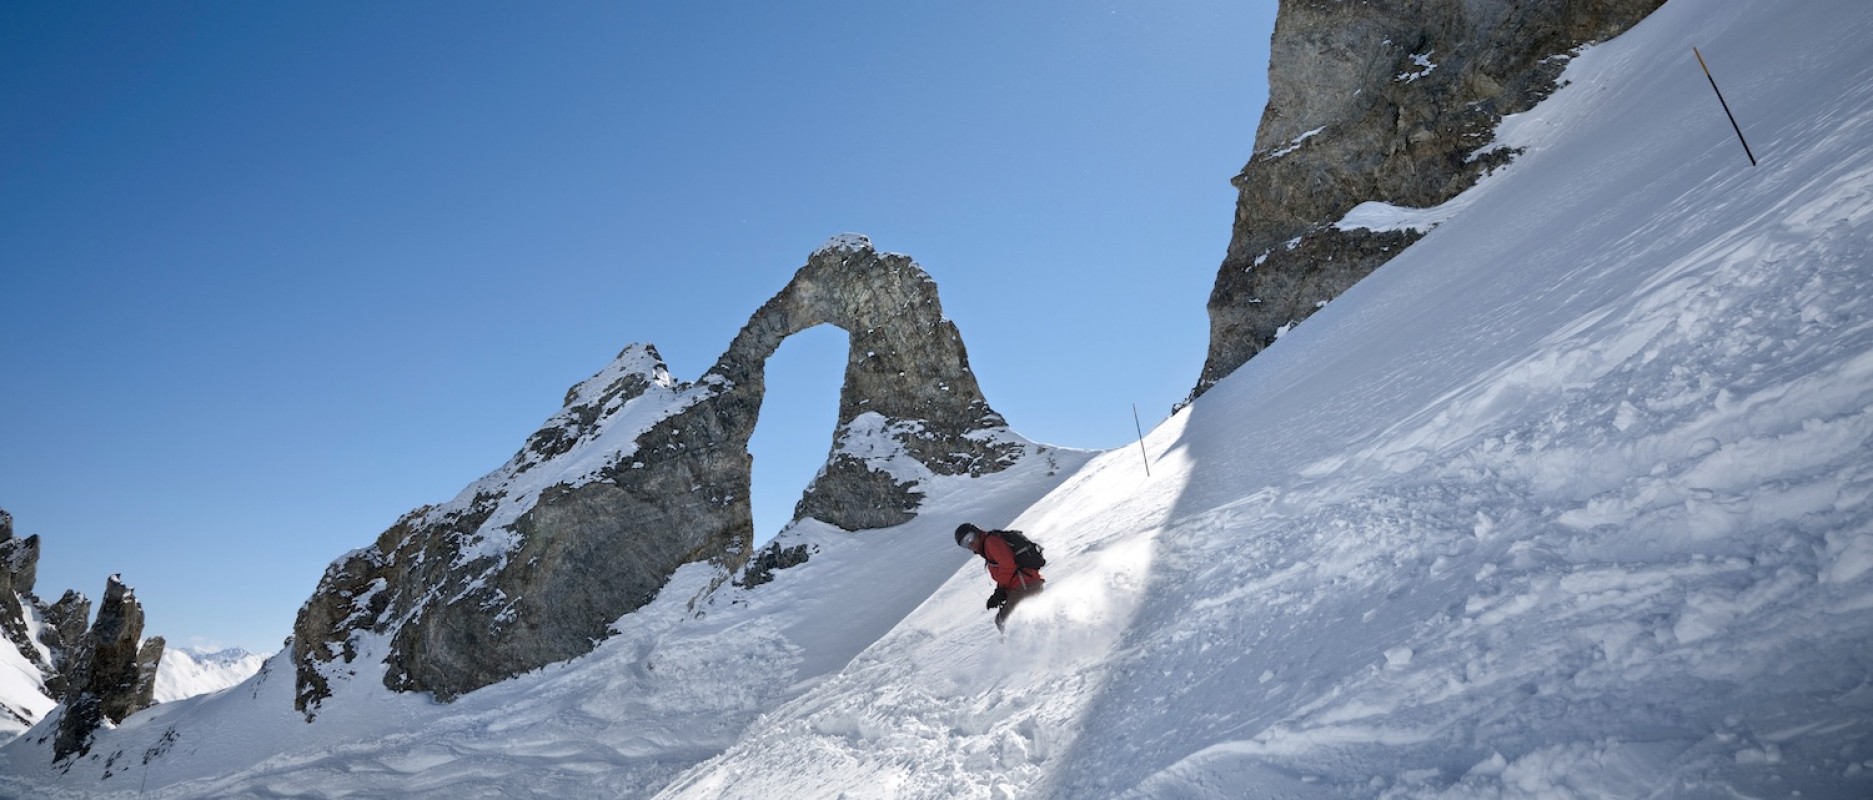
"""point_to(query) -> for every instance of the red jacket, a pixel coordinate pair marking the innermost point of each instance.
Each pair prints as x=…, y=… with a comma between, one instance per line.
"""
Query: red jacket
x=1001, y=563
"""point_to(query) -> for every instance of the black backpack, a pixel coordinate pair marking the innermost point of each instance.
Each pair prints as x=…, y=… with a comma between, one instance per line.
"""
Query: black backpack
x=1028, y=553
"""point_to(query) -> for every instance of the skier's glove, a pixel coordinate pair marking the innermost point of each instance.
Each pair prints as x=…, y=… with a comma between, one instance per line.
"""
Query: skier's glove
x=998, y=598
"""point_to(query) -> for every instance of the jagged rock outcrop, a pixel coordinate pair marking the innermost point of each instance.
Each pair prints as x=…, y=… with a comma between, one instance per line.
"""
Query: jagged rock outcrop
x=19, y=566
x=61, y=632
x=773, y=558
x=1391, y=101
x=106, y=672
x=908, y=390
x=19, y=558
x=113, y=671
x=19, y=570
x=64, y=621
x=149, y=659
x=64, y=629
x=640, y=474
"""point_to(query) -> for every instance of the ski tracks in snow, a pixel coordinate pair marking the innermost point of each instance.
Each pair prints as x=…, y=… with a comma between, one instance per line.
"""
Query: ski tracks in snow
x=1627, y=561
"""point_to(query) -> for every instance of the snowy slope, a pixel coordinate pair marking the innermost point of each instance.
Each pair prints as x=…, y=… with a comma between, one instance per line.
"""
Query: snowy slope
x=685, y=675
x=1569, y=500
x=187, y=672
x=182, y=673
x=23, y=699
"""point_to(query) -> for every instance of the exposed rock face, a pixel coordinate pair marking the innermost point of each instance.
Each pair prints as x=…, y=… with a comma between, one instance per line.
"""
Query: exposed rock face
x=19, y=558
x=64, y=621
x=908, y=389
x=19, y=566
x=1388, y=101
x=641, y=474
x=106, y=672
x=113, y=671
x=773, y=558
x=64, y=630
x=19, y=570
x=149, y=659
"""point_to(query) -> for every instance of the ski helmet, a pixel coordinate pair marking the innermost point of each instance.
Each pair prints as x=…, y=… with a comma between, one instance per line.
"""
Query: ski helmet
x=964, y=530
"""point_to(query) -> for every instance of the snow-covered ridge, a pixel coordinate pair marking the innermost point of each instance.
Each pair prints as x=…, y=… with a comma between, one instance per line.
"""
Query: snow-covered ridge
x=678, y=681
x=454, y=558
x=596, y=430
x=23, y=698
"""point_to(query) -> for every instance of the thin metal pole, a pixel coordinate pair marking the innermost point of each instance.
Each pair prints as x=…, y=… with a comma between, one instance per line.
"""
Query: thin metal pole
x=1141, y=440
x=1726, y=107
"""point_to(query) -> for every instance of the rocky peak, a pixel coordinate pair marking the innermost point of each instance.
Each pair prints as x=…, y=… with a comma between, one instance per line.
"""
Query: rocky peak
x=1390, y=101
x=19, y=570
x=106, y=672
x=19, y=564
x=640, y=474
x=113, y=671
x=19, y=558
x=62, y=634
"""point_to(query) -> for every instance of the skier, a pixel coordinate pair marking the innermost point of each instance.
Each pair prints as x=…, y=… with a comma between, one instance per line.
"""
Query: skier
x=1013, y=583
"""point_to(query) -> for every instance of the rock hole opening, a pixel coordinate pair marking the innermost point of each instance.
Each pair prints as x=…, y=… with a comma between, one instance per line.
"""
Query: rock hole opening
x=793, y=434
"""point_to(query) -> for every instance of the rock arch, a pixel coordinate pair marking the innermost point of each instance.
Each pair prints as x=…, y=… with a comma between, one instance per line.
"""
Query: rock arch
x=520, y=571
x=906, y=370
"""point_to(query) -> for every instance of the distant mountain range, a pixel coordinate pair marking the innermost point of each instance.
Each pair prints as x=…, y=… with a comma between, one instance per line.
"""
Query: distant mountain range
x=189, y=672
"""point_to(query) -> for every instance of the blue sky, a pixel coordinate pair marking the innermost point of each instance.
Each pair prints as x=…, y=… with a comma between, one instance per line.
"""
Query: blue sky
x=272, y=275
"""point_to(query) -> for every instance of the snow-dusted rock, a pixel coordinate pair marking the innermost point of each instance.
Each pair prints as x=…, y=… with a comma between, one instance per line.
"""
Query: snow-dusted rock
x=19, y=566
x=113, y=674
x=909, y=407
x=63, y=627
x=37, y=641
x=23, y=664
x=1390, y=102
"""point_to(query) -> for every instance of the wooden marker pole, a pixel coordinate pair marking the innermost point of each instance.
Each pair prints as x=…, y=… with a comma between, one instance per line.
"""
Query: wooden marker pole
x=1141, y=440
x=1726, y=107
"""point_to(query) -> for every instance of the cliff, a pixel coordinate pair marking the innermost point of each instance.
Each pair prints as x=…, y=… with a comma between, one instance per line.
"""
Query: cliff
x=1389, y=101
